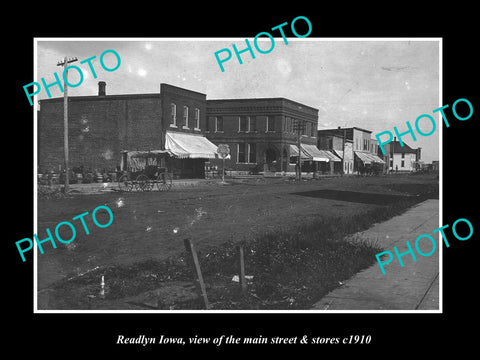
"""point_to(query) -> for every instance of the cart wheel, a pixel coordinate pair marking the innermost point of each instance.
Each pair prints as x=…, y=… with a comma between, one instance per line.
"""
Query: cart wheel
x=164, y=181
x=124, y=183
x=143, y=183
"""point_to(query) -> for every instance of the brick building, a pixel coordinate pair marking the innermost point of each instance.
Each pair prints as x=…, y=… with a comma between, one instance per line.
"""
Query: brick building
x=261, y=135
x=104, y=128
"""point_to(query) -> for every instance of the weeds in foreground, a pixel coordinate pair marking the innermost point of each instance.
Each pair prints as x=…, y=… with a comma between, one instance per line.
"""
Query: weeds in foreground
x=289, y=269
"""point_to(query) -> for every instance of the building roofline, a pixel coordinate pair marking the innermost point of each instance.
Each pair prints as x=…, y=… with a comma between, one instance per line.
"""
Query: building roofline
x=402, y=149
x=353, y=127
x=180, y=88
x=263, y=98
x=103, y=97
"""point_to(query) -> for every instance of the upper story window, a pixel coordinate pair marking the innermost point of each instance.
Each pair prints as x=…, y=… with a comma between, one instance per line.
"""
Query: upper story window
x=288, y=122
x=185, y=116
x=219, y=124
x=173, y=113
x=270, y=124
x=403, y=155
x=252, y=124
x=308, y=129
x=330, y=143
x=242, y=123
x=197, y=118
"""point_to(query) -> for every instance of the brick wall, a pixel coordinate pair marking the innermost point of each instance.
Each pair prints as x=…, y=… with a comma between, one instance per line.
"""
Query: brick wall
x=183, y=97
x=264, y=111
x=99, y=129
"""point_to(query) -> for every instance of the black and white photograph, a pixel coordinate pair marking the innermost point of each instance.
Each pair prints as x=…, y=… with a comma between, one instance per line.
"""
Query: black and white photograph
x=212, y=183
x=242, y=190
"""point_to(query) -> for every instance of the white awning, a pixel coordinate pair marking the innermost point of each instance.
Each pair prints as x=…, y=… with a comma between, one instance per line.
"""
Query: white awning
x=189, y=146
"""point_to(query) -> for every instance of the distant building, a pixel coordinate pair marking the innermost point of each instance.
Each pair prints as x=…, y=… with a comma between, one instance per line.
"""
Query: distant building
x=401, y=158
x=332, y=140
x=360, y=149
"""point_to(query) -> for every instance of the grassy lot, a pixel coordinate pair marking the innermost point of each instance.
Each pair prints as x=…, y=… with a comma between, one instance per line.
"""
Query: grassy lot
x=292, y=233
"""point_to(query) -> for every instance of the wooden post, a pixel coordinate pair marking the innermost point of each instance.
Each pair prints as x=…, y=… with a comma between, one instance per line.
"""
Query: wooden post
x=223, y=170
x=197, y=272
x=241, y=271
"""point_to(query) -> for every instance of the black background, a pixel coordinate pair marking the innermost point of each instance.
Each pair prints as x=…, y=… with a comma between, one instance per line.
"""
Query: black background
x=95, y=335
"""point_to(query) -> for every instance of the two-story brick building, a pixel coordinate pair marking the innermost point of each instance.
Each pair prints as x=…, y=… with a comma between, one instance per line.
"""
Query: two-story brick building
x=104, y=129
x=261, y=133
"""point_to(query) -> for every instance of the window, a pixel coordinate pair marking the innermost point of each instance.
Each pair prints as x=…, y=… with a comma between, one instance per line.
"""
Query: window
x=330, y=143
x=246, y=153
x=241, y=152
x=252, y=124
x=173, y=113
x=219, y=124
x=207, y=124
x=403, y=155
x=270, y=123
x=242, y=123
x=252, y=153
x=197, y=118
x=185, y=117
x=403, y=163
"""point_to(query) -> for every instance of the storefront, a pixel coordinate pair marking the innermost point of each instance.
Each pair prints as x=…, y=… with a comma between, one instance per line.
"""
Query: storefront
x=189, y=154
x=184, y=156
x=368, y=163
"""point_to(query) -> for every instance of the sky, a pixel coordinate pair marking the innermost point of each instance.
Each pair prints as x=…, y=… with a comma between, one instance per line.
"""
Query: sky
x=374, y=84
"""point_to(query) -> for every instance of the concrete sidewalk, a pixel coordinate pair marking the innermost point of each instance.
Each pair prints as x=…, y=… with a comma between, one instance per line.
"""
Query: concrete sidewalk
x=412, y=287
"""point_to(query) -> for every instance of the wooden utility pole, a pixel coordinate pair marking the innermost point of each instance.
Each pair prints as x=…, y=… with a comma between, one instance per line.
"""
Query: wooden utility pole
x=343, y=150
x=64, y=63
x=241, y=270
x=299, y=127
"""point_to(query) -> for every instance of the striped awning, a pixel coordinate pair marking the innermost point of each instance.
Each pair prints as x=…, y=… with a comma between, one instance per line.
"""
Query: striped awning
x=368, y=158
x=331, y=155
x=294, y=152
x=315, y=154
x=312, y=153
